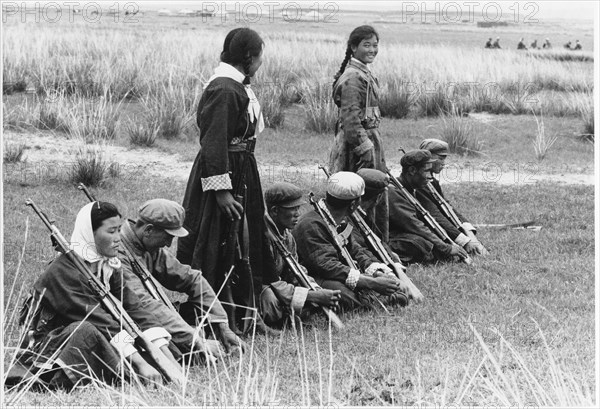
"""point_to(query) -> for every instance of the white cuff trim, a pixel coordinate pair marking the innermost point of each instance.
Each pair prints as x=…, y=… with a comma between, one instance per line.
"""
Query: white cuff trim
x=299, y=299
x=157, y=332
x=352, y=279
x=160, y=342
x=468, y=227
x=123, y=342
x=462, y=240
x=218, y=182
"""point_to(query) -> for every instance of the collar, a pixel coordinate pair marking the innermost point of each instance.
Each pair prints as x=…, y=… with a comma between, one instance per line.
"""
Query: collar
x=227, y=71
x=360, y=65
x=128, y=235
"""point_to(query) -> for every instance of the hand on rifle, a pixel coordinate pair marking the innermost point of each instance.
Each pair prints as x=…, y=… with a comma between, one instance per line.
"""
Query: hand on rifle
x=209, y=347
x=324, y=297
x=229, y=340
x=475, y=247
x=228, y=205
x=407, y=286
x=148, y=374
x=458, y=251
x=385, y=284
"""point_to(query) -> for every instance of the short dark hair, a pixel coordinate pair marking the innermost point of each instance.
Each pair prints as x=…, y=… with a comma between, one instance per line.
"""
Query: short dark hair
x=336, y=203
x=102, y=211
x=241, y=44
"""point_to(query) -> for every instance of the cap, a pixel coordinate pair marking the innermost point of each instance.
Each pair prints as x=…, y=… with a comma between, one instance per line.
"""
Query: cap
x=435, y=146
x=417, y=157
x=164, y=214
x=345, y=186
x=375, y=181
x=283, y=194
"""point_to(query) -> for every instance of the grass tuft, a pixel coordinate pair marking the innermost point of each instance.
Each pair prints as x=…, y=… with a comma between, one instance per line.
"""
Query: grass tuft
x=457, y=131
x=542, y=143
x=321, y=112
x=395, y=101
x=13, y=152
x=143, y=134
x=89, y=167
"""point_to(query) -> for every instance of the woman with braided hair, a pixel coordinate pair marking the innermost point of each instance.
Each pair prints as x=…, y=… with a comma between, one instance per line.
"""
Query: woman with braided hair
x=229, y=118
x=357, y=143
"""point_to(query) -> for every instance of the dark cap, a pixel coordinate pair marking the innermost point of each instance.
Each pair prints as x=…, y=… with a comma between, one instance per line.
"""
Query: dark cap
x=435, y=146
x=417, y=157
x=283, y=194
x=375, y=181
x=164, y=214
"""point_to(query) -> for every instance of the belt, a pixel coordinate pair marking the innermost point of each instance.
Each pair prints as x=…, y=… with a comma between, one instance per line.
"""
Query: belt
x=242, y=146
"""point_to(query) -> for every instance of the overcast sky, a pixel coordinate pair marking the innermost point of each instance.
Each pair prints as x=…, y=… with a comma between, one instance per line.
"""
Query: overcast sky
x=543, y=9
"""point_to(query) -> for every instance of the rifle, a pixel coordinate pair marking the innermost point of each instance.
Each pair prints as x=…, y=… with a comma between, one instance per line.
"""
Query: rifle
x=429, y=220
x=375, y=244
x=516, y=226
x=171, y=372
x=139, y=268
x=448, y=210
x=296, y=268
x=340, y=240
x=85, y=190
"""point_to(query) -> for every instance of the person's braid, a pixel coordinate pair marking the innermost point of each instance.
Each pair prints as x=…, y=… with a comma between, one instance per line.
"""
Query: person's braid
x=343, y=66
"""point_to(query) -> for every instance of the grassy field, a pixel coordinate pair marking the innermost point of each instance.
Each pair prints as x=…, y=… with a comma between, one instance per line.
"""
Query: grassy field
x=514, y=329
x=421, y=354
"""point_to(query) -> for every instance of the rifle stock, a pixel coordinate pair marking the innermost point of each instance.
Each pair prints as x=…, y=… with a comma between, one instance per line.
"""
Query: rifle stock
x=301, y=276
x=170, y=371
x=429, y=220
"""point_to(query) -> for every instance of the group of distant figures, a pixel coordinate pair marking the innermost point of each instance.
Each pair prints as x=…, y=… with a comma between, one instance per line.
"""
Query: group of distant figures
x=534, y=45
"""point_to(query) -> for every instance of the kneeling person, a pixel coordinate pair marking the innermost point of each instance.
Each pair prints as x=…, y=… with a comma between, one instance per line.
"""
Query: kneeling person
x=410, y=237
x=284, y=295
x=461, y=231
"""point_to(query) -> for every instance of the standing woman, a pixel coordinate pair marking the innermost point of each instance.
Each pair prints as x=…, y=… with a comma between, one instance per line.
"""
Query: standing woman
x=357, y=142
x=229, y=118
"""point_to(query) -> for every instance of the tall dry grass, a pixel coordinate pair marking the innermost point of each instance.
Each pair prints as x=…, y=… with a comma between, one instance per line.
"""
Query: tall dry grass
x=133, y=62
x=542, y=142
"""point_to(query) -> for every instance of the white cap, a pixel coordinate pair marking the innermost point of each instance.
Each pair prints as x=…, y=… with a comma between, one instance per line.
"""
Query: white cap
x=345, y=186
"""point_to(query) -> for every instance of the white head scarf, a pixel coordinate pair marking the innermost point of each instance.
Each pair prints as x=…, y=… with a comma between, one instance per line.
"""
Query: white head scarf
x=83, y=243
x=229, y=71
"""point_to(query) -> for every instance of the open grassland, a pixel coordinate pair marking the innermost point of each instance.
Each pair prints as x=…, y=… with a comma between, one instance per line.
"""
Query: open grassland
x=166, y=67
x=516, y=328
x=421, y=354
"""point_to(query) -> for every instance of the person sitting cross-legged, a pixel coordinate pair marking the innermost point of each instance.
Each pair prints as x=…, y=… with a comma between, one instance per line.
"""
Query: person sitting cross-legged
x=324, y=260
x=145, y=246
